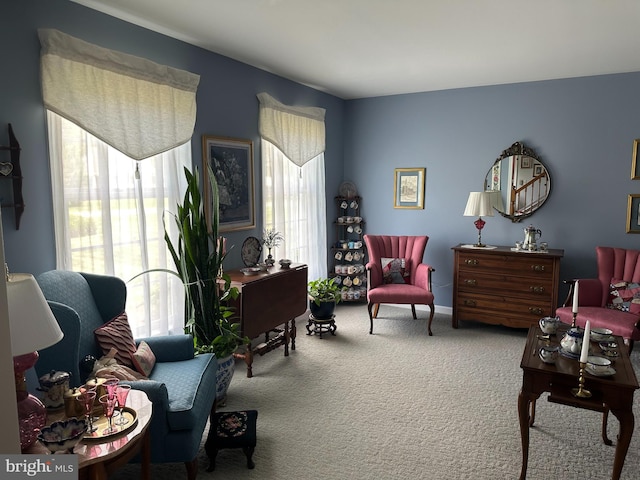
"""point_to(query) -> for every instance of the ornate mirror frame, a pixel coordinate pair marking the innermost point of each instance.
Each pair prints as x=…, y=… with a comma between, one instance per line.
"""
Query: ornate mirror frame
x=523, y=180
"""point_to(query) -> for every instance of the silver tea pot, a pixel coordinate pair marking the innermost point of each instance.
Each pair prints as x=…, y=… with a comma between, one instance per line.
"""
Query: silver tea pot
x=530, y=237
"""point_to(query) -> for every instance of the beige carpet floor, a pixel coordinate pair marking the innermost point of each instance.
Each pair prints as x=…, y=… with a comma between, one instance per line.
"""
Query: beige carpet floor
x=402, y=405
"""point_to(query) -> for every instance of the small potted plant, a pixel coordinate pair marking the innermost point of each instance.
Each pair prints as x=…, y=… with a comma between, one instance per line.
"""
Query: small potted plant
x=324, y=295
x=271, y=238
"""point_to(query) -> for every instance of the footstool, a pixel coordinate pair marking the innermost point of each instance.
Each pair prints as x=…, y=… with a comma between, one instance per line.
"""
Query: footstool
x=232, y=430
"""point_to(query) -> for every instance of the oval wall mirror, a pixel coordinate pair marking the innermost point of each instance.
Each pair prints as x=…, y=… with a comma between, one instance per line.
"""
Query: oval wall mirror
x=522, y=180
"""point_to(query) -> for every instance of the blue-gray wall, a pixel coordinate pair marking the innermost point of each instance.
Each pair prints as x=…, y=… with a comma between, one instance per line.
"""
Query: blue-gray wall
x=583, y=129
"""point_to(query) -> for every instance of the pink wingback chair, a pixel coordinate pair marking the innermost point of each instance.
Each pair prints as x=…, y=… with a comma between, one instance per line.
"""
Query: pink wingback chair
x=413, y=282
x=595, y=295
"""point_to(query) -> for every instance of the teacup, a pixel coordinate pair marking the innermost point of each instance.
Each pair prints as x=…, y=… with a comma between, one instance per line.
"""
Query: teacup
x=548, y=354
x=340, y=219
x=549, y=325
x=344, y=205
x=598, y=364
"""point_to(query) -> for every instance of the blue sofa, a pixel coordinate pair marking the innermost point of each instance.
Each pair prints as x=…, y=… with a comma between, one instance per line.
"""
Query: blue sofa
x=181, y=386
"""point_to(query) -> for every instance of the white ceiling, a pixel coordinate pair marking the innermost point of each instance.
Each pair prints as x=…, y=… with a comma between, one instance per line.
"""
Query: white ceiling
x=367, y=48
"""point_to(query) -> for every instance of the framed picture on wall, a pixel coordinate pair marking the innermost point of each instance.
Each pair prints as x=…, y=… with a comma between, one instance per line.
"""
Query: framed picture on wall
x=231, y=160
x=635, y=164
x=537, y=170
x=525, y=161
x=408, y=188
x=633, y=214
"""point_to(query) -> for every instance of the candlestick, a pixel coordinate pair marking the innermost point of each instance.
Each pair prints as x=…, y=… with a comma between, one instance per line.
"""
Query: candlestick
x=581, y=392
x=584, y=353
x=575, y=297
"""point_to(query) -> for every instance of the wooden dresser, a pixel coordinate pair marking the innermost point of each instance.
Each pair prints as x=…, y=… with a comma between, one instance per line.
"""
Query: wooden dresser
x=504, y=287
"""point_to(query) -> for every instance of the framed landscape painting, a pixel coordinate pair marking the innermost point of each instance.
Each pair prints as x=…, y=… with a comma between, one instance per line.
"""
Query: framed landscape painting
x=231, y=160
x=408, y=189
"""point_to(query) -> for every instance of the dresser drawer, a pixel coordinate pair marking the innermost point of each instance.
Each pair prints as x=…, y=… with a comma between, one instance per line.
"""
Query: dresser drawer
x=514, y=306
x=480, y=281
x=521, y=264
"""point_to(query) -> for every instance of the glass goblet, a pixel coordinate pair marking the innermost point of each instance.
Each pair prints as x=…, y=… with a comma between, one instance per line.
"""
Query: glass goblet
x=87, y=399
x=108, y=406
x=122, y=392
x=111, y=385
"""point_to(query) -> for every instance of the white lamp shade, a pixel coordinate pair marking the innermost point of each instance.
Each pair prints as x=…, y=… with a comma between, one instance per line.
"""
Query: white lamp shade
x=479, y=204
x=33, y=326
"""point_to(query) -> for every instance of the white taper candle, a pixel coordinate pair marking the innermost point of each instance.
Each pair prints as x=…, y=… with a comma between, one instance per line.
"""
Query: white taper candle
x=575, y=297
x=585, y=343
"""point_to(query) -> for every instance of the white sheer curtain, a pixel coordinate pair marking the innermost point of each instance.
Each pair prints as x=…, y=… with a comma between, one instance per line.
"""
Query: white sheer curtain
x=293, y=181
x=105, y=111
x=108, y=217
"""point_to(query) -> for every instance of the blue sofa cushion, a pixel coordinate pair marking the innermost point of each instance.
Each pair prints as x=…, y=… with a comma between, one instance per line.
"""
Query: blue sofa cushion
x=184, y=382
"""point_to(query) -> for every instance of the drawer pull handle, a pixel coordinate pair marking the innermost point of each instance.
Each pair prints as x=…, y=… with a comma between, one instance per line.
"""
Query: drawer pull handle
x=471, y=261
x=470, y=281
x=536, y=289
x=536, y=310
x=537, y=268
x=469, y=303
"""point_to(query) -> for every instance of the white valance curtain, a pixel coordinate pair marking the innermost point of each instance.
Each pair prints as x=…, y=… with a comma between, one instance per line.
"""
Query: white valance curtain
x=293, y=181
x=297, y=131
x=133, y=104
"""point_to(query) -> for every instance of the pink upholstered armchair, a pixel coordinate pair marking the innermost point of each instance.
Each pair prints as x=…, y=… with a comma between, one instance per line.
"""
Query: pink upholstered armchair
x=396, y=274
x=613, y=299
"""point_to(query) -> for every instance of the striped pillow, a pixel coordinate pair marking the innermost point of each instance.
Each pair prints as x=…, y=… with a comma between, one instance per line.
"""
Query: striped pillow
x=116, y=333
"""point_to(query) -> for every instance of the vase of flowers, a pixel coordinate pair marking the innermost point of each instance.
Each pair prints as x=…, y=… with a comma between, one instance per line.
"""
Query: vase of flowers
x=271, y=238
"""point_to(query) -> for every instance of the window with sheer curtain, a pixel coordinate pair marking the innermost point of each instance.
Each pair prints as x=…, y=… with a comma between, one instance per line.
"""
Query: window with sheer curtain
x=293, y=181
x=119, y=132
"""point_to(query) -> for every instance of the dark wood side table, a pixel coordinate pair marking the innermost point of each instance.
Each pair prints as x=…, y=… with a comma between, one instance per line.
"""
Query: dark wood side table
x=266, y=302
x=99, y=459
x=613, y=393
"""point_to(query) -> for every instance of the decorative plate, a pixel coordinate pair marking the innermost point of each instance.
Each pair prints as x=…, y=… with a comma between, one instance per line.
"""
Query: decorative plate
x=605, y=373
x=251, y=271
x=251, y=250
x=348, y=189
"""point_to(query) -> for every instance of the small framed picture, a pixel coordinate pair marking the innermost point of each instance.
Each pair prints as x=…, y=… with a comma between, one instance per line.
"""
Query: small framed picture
x=537, y=170
x=635, y=164
x=408, y=188
x=231, y=161
x=633, y=214
x=525, y=161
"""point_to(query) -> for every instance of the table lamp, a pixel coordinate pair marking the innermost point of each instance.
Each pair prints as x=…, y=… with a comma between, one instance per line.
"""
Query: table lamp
x=479, y=204
x=33, y=327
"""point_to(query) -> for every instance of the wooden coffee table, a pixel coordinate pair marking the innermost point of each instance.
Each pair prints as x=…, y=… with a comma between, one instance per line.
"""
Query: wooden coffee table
x=614, y=393
x=99, y=459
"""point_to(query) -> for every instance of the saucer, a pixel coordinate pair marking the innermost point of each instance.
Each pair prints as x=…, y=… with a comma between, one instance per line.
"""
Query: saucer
x=606, y=373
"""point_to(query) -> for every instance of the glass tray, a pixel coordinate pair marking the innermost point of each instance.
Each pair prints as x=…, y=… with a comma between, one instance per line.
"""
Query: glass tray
x=102, y=423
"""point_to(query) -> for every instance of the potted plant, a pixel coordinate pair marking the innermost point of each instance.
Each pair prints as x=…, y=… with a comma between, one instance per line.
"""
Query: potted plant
x=324, y=295
x=198, y=256
x=271, y=238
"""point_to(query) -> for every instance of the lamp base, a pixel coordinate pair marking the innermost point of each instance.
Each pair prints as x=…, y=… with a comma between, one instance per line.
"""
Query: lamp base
x=32, y=414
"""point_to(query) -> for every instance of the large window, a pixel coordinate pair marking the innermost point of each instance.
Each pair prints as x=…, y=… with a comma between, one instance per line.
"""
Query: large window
x=109, y=219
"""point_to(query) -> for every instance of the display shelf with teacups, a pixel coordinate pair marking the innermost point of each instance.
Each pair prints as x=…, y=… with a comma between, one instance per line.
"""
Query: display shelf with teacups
x=348, y=252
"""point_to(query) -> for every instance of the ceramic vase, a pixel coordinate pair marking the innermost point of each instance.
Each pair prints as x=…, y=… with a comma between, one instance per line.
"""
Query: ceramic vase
x=224, y=374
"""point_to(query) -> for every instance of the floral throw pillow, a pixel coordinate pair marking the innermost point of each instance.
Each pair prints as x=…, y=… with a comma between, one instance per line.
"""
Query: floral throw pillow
x=116, y=333
x=624, y=296
x=144, y=359
x=395, y=270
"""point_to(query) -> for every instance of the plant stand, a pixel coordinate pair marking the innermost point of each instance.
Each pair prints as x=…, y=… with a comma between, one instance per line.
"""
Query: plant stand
x=327, y=325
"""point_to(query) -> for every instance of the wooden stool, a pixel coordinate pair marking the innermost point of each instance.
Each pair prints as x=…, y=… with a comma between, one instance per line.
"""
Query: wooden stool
x=232, y=430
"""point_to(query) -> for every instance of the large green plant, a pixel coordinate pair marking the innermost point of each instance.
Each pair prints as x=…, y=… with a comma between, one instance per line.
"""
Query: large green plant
x=198, y=257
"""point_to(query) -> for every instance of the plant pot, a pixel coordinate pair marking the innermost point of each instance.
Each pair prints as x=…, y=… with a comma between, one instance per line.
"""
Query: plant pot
x=224, y=374
x=324, y=311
